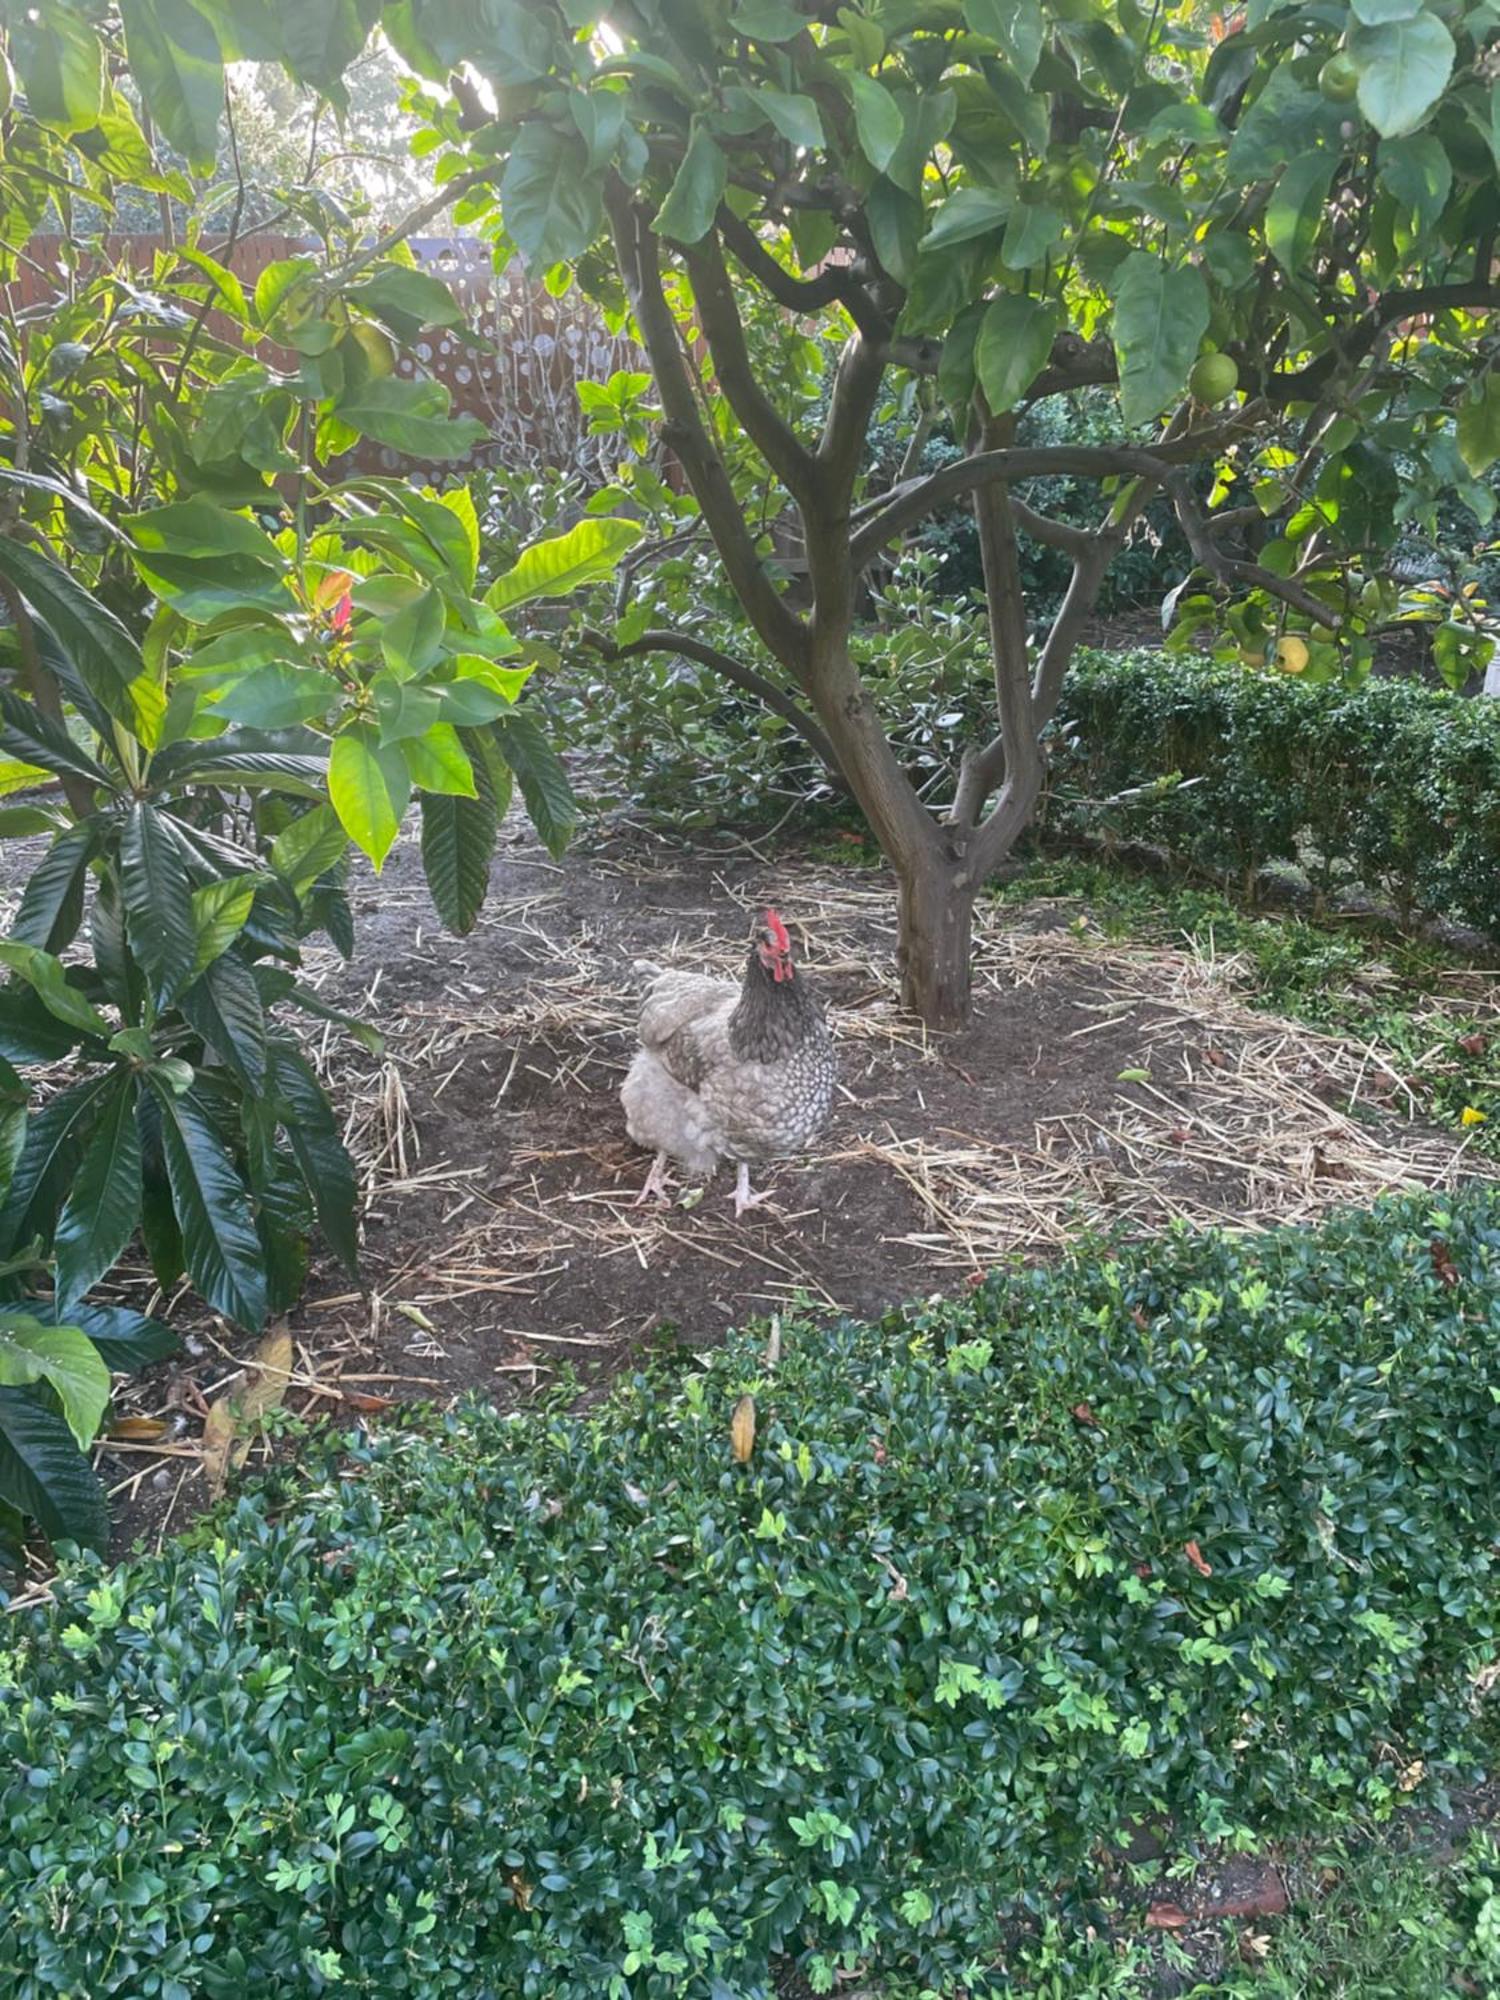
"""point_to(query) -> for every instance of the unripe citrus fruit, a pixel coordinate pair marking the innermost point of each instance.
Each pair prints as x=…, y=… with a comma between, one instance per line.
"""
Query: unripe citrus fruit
x=1338, y=79
x=1214, y=379
x=1291, y=654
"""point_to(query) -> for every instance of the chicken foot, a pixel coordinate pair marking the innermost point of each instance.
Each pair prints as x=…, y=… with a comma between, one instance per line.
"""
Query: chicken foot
x=656, y=1183
x=744, y=1196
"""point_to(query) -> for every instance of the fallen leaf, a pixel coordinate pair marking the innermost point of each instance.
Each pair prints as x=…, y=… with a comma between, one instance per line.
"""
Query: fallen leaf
x=1167, y=1917
x=233, y=1420
x=1443, y=1266
x=1082, y=1414
x=139, y=1430
x=358, y=1399
x=742, y=1429
x=1195, y=1556
x=1216, y=1058
x=1472, y=1045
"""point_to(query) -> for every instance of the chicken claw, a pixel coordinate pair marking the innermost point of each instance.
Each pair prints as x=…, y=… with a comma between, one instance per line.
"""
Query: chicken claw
x=744, y=1196
x=656, y=1183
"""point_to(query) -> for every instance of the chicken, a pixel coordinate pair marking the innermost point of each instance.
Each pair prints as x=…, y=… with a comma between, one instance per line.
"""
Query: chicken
x=726, y=1072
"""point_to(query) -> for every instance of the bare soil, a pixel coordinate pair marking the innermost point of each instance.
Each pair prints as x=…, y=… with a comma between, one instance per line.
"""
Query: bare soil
x=1096, y=1085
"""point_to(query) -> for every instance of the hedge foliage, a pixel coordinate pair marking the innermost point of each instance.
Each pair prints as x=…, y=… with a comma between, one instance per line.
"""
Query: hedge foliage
x=577, y=1706
x=1390, y=785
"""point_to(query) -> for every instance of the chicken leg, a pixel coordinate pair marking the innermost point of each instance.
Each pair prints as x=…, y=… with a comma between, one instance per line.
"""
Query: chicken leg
x=744, y=1195
x=656, y=1182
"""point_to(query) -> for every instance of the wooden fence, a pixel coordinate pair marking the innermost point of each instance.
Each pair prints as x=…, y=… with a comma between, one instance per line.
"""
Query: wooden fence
x=518, y=377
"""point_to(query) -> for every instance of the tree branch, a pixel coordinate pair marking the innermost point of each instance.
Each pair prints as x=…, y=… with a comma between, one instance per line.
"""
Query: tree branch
x=1020, y=755
x=1228, y=569
x=783, y=633
x=724, y=331
x=835, y=284
x=914, y=501
x=745, y=678
x=1052, y=534
x=1478, y=294
x=410, y=223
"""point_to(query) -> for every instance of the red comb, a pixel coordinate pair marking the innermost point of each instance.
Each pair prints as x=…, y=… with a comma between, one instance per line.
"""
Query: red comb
x=778, y=931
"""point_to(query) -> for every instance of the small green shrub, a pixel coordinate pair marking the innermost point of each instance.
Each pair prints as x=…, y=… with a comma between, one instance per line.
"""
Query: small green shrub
x=569, y=1706
x=1391, y=785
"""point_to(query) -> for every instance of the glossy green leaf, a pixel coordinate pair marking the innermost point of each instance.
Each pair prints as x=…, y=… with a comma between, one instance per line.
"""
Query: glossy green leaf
x=308, y=847
x=877, y=120
x=158, y=898
x=279, y=695
x=212, y=1206
x=1404, y=68
x=1013, y=345
x=43, y=744
x=199, y=528
x=48, y=978
x=412, y=639
x=1160, y=317
x=55, y=1138
x=403, y=708
x=59, y=60
x=794, y=115
x=358, y=785
x=95, y=641
x=1295, y=209
x=1419, y=174
x=314, y=1135
x=407, y=300
x=895, y=219
x=437, y=761
x=410, y=415
x=1017, y=25
x=767, y=20
x=479, y=691
x=124, y=1340
x=692, y=202
x=565, y=563
x=104, y=1202
x=224, y=1005
x=541, y=776
x=220, y=912
x=971, y=212
x=458, y=840
x=175, y=63
x=1034, y=228
x=1478, y=424
x=550, y=202
x=62, y=1357
x=46, y=1476
x=52, y=901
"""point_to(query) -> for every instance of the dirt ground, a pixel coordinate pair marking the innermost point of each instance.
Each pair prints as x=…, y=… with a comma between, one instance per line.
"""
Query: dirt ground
x=1098, y=1084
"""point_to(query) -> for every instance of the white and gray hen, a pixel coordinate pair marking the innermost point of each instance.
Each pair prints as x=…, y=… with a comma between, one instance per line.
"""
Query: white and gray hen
x=726, y=1072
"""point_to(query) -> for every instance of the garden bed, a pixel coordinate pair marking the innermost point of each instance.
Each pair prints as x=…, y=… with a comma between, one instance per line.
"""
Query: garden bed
x=1102, y=1081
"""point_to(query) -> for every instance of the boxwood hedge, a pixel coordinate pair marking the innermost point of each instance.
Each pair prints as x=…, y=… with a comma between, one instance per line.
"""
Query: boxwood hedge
x=575, y=1705
x=1392, y=785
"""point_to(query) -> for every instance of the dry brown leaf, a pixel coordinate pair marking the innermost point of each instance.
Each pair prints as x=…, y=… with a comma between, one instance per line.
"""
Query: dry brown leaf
x=1195, y=1556
x=742, y=1429
x=1167, y=1917
x=233, y=1420
x=139, y=1430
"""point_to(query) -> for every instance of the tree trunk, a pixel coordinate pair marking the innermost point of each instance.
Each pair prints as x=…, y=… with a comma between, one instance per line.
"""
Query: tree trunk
x=935, y=914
